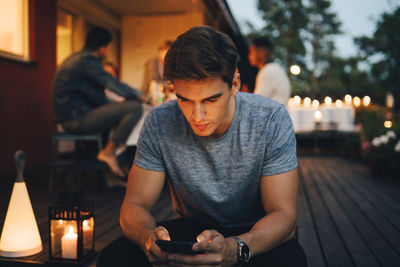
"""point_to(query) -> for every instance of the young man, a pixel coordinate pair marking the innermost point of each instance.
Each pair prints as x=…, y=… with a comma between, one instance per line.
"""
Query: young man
x=271, y=81
x=79, y=99
x=239, y=211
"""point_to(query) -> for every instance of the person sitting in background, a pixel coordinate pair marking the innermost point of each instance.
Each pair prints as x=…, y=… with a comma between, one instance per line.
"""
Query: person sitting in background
x=271, y=81
x=79, y=101
x=154, y=68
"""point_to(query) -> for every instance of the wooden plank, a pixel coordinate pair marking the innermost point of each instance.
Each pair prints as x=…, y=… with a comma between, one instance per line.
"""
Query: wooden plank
x=358, y=250
x=307, y=234
x=383, y=252
x=376, y=205
x=332, y=244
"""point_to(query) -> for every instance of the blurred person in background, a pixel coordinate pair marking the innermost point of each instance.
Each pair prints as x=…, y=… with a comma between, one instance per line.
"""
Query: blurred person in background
x=271, y=81
x=79, y=101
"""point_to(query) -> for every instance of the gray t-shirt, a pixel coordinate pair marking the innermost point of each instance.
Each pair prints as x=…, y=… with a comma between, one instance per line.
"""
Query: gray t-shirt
x=218, y=180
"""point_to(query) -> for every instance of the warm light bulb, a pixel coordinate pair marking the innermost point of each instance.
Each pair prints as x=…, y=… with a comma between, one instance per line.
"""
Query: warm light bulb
x=328, y=100
x=315, y=103
x=307, y=102
x=295, y=70
x=297, y=100
x=366, y=101
x=339, y=103
x=356, y=101
x=348, y=99
x=388, y=124
x=85, y=223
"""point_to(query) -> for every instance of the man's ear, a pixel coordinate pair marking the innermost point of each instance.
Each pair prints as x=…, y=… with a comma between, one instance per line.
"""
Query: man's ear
x=235, y=83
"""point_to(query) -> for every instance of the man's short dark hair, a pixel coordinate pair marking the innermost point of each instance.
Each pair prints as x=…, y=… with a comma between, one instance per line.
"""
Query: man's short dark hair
x=201, y=53
x=263, y=42
x=97, y=38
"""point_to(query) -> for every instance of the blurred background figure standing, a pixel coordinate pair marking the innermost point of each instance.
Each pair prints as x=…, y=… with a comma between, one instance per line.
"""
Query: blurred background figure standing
x=271, y=81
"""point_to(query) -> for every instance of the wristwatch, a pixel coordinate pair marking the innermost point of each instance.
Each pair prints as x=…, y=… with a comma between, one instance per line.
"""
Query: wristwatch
x=243, y=253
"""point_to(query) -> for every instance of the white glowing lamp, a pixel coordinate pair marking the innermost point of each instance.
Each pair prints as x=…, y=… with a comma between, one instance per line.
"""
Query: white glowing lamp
x=20, y=236
x=366, y=101
x=339, y=103
x=307, y=102
x=347, y=99
x=328, y=100
x=315, y=103
x=356, y=101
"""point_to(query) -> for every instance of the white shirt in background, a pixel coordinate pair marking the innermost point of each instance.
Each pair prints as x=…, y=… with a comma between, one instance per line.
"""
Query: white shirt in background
x=273, y=82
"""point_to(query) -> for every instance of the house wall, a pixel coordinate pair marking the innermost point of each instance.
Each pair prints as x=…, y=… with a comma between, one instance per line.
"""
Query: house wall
x=25, y=93
x=141, y=36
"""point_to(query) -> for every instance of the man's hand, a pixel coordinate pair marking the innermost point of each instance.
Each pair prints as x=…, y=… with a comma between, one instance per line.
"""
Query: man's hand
x=219, y=251
x=153, y=252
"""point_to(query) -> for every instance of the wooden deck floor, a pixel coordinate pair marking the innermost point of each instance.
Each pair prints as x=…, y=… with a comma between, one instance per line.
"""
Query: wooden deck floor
x=346, y=217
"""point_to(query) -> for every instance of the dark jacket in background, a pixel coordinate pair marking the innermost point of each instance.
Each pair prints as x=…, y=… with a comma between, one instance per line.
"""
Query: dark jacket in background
x=79, y=84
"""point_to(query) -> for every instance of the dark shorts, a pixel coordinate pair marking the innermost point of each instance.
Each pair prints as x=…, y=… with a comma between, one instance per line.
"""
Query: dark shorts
x=123, y=252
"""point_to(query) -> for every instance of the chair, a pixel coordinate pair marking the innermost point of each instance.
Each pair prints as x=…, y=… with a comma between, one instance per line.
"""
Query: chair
x=75, y=163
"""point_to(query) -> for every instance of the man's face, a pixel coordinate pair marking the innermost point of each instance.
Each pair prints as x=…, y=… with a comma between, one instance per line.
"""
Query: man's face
x=208, y=105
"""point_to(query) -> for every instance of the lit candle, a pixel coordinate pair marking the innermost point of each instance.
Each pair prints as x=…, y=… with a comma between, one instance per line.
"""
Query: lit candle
x=69, y=244
x=56, y=234
x=87, y=231
x=318, y=116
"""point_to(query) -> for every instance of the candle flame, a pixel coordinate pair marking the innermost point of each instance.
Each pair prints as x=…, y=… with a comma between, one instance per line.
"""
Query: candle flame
x=70, y=230
x=317, y=116
x=85, y=223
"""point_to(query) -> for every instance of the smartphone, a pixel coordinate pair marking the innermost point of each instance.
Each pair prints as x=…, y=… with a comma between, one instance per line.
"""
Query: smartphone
x=183, y=247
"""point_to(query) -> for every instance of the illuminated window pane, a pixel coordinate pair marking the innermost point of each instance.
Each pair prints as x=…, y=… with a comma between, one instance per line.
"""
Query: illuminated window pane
x=64, y=35
x=14, y=27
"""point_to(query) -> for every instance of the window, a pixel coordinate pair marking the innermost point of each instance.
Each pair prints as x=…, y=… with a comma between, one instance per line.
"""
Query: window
x=14, y=31
x=64, y=35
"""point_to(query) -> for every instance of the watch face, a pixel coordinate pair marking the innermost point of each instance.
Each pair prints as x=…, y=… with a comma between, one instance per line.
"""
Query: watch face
x=245, y=253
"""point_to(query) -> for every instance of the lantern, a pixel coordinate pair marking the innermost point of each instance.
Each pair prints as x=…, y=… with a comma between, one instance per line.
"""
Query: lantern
x=71, y=229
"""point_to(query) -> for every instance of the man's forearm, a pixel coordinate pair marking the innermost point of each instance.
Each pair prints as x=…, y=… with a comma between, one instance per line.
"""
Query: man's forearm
x=136, y=223
x=272, y=230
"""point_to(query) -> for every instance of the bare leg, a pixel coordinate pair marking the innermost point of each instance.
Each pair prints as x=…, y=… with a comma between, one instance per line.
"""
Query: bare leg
x=107, y=155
